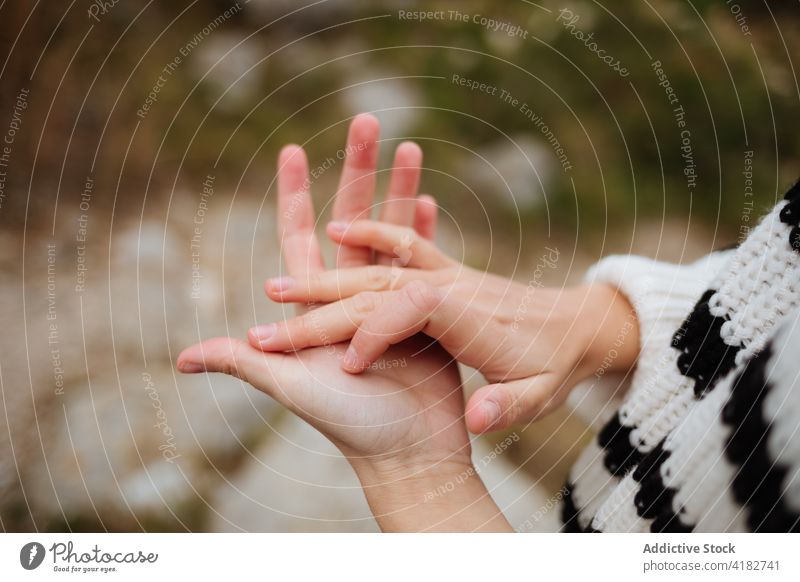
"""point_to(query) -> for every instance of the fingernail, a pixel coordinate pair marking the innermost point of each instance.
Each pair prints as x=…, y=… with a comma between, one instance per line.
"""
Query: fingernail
x=337, y=227
x=190, y=368
x=280, y=284
x=263, y=332
x=491, y=412
x=351, y=360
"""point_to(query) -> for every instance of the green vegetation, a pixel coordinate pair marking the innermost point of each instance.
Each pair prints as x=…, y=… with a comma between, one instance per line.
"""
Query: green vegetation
x=620, y=133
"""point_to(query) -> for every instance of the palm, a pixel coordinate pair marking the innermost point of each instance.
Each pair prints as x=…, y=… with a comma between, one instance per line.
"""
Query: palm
x=394, y=407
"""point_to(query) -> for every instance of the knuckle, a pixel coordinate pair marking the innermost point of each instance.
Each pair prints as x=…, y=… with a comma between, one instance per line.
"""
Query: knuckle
x=362, y=340
x=366, y=302
x=515, y=411
x=461, y=288
x=302, y=327
x=422, y=295
x=511, y=407
x=409, y=234
x=411, y=238
x=377, y=277
x=314, y=282
x=231, y=362
x=527, y=405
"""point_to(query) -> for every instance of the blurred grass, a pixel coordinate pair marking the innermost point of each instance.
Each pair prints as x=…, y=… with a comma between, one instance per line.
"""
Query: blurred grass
x=619, y=133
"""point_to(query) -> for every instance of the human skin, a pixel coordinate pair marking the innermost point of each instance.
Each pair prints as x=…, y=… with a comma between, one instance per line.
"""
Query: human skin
x=400, y=427
x=531, y=357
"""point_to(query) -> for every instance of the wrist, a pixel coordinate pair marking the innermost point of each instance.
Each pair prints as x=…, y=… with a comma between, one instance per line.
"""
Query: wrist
x=411, y=476
x=418, y=496
x=611, y=331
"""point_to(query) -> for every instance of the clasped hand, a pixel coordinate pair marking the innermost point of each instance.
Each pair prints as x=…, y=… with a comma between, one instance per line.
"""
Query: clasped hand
x=398, y=299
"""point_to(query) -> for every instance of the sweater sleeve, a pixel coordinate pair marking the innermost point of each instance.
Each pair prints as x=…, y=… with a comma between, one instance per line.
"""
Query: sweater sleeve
x=662, y=295
x=781, y=418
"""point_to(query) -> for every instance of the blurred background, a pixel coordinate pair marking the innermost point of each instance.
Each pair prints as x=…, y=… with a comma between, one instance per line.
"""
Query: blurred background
x=137, y=214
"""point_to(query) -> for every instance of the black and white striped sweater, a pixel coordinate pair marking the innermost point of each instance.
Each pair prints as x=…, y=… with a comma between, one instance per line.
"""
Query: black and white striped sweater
x=707, y=437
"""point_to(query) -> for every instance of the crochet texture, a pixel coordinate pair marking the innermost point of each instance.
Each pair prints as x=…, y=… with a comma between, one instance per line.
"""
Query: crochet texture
x=708, y=435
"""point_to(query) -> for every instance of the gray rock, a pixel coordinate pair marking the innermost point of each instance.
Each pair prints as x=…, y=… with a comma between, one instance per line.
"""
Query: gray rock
x=516, y=172
x=297, y=481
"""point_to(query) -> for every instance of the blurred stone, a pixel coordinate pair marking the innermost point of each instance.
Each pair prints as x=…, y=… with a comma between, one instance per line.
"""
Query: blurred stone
x=233, y=64
x=526, y=507
x=393, y=101
x=103, y=428
x=273, y=8
x=516, y=171
x=127, y=443
x=296, y=481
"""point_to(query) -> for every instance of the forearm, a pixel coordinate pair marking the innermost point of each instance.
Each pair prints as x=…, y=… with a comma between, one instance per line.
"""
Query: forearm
x=443, y=498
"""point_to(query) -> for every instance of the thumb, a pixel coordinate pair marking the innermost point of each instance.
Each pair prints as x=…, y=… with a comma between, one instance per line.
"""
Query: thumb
x=499, y=406
x=226, y=355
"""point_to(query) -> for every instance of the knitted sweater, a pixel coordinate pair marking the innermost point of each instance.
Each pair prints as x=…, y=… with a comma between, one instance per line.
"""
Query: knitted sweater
x=707, y=437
